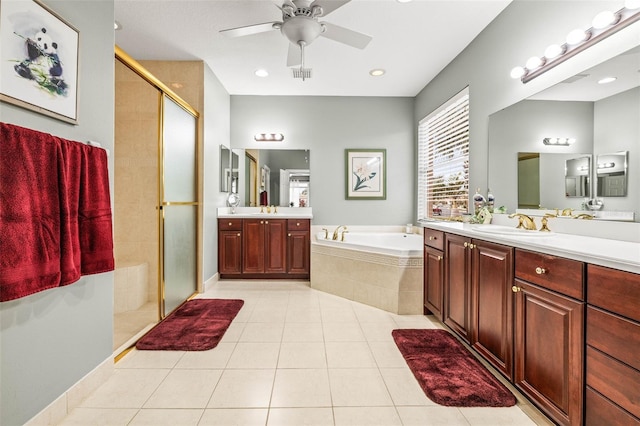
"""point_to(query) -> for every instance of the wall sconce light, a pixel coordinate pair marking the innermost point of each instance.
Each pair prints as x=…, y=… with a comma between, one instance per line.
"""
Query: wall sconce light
x=604, y=24
x=558, y=141
x=269, y=137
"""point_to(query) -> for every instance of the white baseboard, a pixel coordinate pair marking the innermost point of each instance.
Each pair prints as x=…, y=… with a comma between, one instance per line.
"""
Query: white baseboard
x=211, y=282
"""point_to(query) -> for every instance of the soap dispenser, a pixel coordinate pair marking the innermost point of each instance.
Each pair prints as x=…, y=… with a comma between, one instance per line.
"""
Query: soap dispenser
x=478, y=201
x=490, y=200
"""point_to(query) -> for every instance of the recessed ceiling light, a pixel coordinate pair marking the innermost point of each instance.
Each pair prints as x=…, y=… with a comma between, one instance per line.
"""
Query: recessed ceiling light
x=403, y=1
x=377, y=72
x=117, y=26
x=607, y=80
x=262, y=73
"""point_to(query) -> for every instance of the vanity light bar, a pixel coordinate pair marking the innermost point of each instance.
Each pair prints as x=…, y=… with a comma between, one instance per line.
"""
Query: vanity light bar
x=604, y=24
x=606, y=165
x=558, y=141
x=269, y=137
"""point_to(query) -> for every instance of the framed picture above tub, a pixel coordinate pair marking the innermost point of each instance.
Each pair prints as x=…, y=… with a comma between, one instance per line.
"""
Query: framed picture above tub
x=365, y=174
x=38, y=60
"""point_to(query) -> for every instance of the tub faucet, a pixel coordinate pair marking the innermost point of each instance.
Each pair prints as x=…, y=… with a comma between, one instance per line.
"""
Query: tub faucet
x=335, y=233
x=524, y=221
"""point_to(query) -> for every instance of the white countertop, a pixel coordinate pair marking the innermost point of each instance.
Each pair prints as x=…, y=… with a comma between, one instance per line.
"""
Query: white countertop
x=623, y=255
x=254, y=213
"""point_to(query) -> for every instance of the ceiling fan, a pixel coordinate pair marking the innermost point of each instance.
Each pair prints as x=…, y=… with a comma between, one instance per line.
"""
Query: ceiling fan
x=300, y=25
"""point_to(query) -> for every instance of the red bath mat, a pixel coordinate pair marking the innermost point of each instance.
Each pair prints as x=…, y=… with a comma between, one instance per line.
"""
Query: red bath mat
x=197, y=325
x=447, y=372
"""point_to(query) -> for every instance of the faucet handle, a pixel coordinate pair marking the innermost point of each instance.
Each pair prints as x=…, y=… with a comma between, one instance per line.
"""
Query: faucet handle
x=326, y=233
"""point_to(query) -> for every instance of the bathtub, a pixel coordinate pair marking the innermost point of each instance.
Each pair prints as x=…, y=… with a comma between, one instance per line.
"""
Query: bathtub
x=380, y=269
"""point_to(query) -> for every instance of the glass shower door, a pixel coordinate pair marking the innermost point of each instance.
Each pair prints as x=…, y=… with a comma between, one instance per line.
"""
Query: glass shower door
x=179, y=205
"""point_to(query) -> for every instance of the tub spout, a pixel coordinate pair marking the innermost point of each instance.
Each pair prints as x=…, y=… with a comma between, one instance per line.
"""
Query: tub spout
x=337, y=231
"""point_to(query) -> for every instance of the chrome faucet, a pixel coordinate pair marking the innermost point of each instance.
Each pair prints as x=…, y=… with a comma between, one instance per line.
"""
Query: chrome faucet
x=524, y=221
x=335, y=233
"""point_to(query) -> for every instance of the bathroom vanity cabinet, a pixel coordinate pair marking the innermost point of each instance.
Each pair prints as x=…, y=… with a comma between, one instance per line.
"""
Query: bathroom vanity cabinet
x=433, y=272
x=527, y=314
x=613, y=347
x=263, y=248
x=549, y=333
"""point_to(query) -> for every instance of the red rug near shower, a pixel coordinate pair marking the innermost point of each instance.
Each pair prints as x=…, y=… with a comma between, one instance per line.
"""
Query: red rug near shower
x=197, y=325
x=447, y=372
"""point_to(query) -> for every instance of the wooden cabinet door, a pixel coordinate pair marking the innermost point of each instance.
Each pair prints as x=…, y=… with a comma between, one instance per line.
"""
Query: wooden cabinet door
x=275, y=234
x=433, y=281
x=549, y=351
x=298, y=247
x=457, y=289
x=253, y=244
x=230, y=252
x=492, y=304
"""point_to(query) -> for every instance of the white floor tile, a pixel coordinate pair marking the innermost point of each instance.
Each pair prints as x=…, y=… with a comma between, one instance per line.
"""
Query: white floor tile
x=292, y=356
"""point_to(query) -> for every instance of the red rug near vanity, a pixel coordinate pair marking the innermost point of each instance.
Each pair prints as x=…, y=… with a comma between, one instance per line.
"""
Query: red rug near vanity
x=447, y=372
x=197, y=325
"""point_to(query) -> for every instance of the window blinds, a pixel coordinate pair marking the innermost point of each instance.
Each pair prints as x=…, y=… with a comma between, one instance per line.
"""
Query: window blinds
x=443, y=159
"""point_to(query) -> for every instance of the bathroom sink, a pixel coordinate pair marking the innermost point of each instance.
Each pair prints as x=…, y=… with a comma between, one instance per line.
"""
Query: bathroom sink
x=509, y=231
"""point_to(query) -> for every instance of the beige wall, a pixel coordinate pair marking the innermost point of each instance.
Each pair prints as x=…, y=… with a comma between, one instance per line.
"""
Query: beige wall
x=136, y=173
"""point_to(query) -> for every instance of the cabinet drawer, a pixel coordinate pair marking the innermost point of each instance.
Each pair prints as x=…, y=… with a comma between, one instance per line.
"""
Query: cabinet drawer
x=613, y=379
x=554, y=273
x=434, y=239
x=600, y=411
x=614, y=335
x=230, y=224
x=614, y=290
x=298, y=224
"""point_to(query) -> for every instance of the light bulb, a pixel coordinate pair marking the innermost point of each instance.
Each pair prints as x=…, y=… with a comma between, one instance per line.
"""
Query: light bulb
x=517, y=72
x=553, y=51
x=533, y=62
x=603, y=19
x=576, y=36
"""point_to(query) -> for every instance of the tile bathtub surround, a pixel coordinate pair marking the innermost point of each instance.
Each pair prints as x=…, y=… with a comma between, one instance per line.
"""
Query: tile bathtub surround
x=293, y=355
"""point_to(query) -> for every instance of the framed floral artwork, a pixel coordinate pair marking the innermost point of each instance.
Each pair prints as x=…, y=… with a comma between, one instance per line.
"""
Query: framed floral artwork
x=366, y=174
x=38, y=60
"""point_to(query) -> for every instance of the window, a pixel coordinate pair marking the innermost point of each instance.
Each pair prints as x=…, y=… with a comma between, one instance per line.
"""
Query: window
x=443, y=160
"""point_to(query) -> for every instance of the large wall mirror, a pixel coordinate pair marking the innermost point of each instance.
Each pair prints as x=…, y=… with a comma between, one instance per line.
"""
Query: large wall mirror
x=280, y=177
x=603, y=121
x=229, y=170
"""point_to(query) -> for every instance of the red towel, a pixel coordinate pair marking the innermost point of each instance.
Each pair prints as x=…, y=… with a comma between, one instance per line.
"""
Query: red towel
x=29, y=212
x=55, y=212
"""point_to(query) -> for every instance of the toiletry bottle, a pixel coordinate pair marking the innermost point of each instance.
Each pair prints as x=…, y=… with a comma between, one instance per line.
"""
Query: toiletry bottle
x=490, y=200
x=478, y=201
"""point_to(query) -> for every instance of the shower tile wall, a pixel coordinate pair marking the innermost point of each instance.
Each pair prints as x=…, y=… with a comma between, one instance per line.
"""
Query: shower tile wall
x=136, y=174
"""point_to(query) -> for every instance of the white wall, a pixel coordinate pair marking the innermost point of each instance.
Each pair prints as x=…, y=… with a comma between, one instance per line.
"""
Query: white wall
x=51, y=339
x=326, y=126
x=217, y=131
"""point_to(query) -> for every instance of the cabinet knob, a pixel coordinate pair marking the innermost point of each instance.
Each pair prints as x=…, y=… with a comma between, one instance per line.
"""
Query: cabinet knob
x=261, y=222
x=439, y=257
x=515, y=289
x=238, y=234
x=230, y=223
x=297, y=223
x=266, y=222
x=432, y=238
x=289, y=234
x=472, y=246
x=540, y=270
x=466, y=244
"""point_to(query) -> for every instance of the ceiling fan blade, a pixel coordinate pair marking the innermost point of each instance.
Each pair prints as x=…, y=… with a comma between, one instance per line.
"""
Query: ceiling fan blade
x=329, y=6
x=294, y=56
x=249, y=29
x=346, y=36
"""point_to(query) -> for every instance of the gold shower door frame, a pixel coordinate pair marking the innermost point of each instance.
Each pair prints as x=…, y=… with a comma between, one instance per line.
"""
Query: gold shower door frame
x=165, y=92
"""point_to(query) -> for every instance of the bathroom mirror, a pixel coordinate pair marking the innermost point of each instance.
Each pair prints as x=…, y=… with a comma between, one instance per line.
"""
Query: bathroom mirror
x=225, y=170
x=602, y=118
x=289, y=178
x=611, y=171
x=577, y=177
x=235, y=172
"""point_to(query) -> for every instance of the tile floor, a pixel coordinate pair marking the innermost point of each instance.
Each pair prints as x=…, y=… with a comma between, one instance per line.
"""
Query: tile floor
x=292, y=356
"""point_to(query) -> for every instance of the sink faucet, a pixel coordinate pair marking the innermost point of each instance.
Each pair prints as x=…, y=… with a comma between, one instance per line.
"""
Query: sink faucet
x=335, y=233
x=524, y=221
